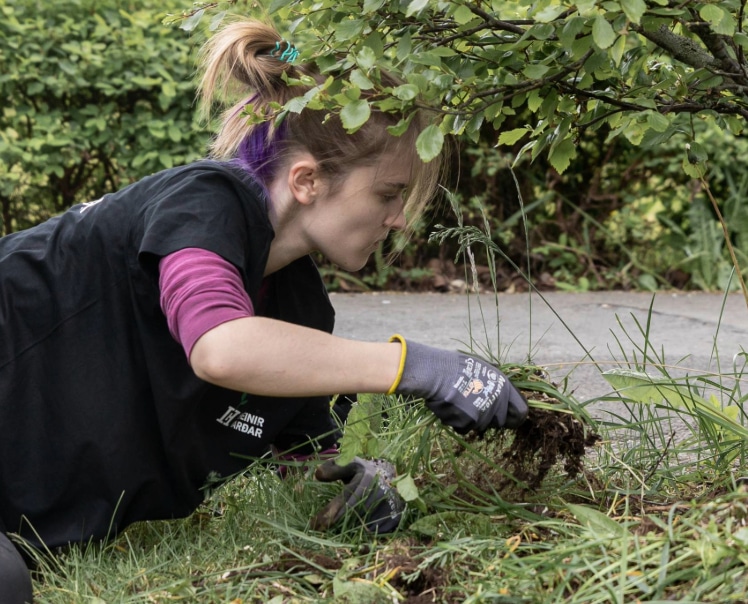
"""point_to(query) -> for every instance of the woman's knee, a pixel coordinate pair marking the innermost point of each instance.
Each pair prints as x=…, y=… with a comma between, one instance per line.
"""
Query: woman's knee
x=15, y=579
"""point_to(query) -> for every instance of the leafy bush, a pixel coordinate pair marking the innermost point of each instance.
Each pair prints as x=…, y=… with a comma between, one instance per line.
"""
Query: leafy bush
x=601, y=96
x=588, y=189
x=96, y=94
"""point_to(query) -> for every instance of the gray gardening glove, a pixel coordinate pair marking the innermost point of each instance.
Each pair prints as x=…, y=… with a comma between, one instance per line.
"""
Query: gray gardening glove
x=367, y=491
x=463, y=391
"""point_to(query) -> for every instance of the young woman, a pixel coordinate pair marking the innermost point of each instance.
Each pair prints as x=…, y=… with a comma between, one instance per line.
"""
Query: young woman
x=154, y=339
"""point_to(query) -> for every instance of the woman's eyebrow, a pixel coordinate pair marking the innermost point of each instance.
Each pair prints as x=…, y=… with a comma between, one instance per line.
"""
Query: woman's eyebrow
x=395, y=185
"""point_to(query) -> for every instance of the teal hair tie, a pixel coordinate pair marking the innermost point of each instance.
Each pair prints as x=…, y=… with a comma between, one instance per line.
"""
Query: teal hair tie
x=289, y=55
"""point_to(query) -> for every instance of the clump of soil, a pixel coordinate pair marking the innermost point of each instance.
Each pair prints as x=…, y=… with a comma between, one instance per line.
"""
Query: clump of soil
x=545, y=439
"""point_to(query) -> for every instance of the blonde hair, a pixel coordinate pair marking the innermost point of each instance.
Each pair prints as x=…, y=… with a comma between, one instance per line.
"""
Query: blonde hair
x=239, y=70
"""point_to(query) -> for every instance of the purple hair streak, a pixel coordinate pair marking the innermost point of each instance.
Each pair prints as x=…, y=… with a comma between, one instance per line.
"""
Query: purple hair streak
x=258, y=152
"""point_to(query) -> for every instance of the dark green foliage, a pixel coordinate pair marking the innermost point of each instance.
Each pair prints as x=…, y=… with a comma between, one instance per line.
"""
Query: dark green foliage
x=589, y=187
x=95, y=94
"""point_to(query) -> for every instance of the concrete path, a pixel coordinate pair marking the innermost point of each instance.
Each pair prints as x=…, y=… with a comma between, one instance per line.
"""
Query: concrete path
x=571, y=334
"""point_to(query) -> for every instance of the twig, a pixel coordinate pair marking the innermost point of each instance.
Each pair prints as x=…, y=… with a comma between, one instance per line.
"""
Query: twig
x=657, y=463
x=727, y=236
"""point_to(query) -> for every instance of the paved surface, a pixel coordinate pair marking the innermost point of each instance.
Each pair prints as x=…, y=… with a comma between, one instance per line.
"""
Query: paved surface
x=571, y=334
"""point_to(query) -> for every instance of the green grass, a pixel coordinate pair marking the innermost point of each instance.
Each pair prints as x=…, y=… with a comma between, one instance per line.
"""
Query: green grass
x=658, y=519
x=658, y=514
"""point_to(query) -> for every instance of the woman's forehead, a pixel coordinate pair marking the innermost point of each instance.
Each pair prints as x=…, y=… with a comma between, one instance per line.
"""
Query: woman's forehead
x=394, y=169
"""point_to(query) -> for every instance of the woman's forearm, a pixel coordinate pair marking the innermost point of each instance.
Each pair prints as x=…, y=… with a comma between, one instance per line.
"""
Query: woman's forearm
x=274, y=358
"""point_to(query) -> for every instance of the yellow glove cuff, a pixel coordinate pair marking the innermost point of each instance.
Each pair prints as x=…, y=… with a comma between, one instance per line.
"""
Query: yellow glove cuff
x=404, y=350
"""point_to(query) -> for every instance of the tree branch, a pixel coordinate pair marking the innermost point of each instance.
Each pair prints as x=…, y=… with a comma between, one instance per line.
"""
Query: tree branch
x=496, y=23
x=717, y=45
x=679, y=47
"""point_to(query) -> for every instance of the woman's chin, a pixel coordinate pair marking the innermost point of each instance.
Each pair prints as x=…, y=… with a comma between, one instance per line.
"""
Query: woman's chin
x=351, y=265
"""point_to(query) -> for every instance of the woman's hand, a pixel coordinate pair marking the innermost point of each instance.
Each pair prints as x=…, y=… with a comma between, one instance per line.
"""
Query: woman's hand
x=463, y=391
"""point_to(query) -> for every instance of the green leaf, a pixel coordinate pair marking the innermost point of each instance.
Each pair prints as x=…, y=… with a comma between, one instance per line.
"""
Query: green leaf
x=534, y=100
x=657, y=121
x=643, y=388
x=718, y=18
x=366, y=58
x=404, y=47
x=542, y=31
x=276, y=5
x=571, y=29
x=562, y=154
x=549, y=13
x=191, y=22
x=429, y=143
x=416, y=6
x=406, y=92
x=741, y=40
x=175, y=134
x=635, y=132
x=535, y=72
x=647, y=282
x=602, y=33
x=640, y=387
x=216, y=21
x=696, y=152
x=371, y=6
x=356, y=592
x=443, y=524
x=355, y=114
x=618, y=49
x=512, y=136
x=463, y=15
x=600, y=525
x=166, y=159
x=634, y=9
x=401, y=127
x=296, y=104
x=375, y=43
x=361, y=430
x=348, y=29
x=407, y=488
x=360, y=80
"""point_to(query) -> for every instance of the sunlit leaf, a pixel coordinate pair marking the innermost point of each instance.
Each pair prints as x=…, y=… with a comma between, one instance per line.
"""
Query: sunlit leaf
x=562, y=154
x=355, y=114
x=406, y=92
x=366, y=58
x=719, y=19
x=602, y=33
x=430, y=142
x=360, y=80
x=372, y=5
x=192, y=21
x=463, y=15
x=643, y=388
x=549, y=13
x=616, y=52
x=416, y=6
x=512, y=136
x=634, y=9
x=406, y=487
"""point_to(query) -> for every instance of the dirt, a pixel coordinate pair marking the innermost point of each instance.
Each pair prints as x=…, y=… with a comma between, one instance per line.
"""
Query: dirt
x=545, y=439
x=415, y=587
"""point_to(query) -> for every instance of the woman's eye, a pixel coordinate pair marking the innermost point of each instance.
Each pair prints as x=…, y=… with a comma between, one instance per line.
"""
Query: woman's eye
x=390, y=197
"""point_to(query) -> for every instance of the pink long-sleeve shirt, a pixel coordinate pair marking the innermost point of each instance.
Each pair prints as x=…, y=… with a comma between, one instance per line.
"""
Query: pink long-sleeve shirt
x=199, y=291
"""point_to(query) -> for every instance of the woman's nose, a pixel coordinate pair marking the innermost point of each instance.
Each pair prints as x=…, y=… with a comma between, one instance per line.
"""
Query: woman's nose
x=398, y=221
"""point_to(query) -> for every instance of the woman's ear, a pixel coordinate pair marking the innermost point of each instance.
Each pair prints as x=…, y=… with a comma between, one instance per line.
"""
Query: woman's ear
x=304, y=179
